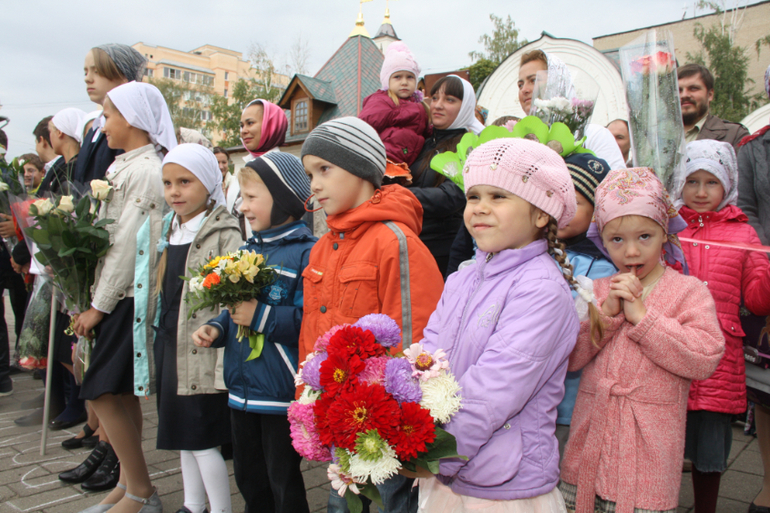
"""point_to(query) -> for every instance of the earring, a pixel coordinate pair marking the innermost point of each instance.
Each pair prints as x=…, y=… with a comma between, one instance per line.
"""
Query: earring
x=311, y=210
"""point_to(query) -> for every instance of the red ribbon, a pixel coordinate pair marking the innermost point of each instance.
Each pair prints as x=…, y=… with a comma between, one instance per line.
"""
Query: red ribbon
x=728, y=244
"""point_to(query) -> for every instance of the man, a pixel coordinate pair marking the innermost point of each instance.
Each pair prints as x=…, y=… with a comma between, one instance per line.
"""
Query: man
x=619, y=129
x=696, y=91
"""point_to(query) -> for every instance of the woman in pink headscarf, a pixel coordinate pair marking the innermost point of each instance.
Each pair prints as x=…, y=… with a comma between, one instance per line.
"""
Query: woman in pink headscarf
x=263, y=129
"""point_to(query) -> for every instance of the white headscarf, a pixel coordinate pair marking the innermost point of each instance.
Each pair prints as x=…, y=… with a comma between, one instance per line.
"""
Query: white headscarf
x=201, y=162
x=144, y=107
x=716, y=157
x=466, y=118
x=91, y=116
x=67, y=122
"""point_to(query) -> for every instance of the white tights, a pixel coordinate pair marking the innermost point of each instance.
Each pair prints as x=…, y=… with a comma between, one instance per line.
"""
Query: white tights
x=205, y=473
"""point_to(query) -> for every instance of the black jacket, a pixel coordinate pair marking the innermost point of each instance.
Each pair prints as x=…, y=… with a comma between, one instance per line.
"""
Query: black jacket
x=58, y=176
x=94, y=159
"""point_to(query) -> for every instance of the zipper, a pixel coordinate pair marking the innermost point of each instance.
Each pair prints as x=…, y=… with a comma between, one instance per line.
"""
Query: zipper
x=470, y=300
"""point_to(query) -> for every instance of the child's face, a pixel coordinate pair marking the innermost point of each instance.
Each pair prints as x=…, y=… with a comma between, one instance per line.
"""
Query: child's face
x=32, y=176
x=224, y=164
x=251, y=126
x=116, y=129
x=500, y=220
x=184, y=192
x=98, y=86
x=634, y=243
x=257, y=202
x=335, y=189
x=402, y=84
x=703, y=192
x=444, y=109
x=581, y=221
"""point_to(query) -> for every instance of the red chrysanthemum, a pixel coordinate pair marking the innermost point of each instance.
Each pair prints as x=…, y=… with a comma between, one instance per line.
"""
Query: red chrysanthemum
x=339, y=371
x=360, y=409
x=416, y=431
x=321, y=410
x=352, y=340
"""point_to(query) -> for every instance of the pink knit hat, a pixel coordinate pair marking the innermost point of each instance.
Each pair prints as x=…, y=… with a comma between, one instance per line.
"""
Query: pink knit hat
x=528, y=169
x=397, y=58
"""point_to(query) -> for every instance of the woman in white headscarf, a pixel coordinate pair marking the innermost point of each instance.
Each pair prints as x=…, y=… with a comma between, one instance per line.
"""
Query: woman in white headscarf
x=120, y=319
x=453, y=108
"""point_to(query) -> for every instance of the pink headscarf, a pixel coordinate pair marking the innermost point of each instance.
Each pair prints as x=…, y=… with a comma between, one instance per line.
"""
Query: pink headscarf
x=274, y=125
x=638, y=191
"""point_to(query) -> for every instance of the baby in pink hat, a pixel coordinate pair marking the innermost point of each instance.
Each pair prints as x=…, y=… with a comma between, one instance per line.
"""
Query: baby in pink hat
x=397, y=111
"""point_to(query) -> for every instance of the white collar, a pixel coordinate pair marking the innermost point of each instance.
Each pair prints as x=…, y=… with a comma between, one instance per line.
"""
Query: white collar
x=185, y=233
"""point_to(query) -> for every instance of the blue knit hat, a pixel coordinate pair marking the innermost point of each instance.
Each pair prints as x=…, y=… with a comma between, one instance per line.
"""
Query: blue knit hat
x=587, y=172
x=285, y=178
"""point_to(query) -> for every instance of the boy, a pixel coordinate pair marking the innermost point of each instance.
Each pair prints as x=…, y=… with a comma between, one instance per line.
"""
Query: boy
x=372, y=260
x=587, y=173
x=65, y=141
x=266, y=466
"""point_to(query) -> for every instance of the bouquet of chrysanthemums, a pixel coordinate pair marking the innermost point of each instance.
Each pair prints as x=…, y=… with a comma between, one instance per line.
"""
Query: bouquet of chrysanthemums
x=575, y=113
x=370, y=413
x=227, y=281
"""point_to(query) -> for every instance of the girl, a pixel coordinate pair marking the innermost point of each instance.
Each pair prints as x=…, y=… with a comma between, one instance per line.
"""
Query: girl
x=519, y=193
x=453, y=105
x=193, y=416
x=263, y=130
x=223, y=161
x=137, y=121
x=396, y=111
x=707, y=193
x=626, y=443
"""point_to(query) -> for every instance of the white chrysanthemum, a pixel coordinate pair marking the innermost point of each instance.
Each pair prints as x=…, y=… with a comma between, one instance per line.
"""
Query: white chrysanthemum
x=441, y=396
x=562, y=105
x=196, y=284
x=379, y=470
x=309, y=396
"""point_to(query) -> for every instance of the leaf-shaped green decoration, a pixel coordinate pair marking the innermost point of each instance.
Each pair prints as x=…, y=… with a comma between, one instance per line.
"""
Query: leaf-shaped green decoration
x=531, y=125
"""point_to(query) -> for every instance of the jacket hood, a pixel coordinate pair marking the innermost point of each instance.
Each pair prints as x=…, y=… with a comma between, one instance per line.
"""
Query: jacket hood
x=390, y=203
x=728, y=213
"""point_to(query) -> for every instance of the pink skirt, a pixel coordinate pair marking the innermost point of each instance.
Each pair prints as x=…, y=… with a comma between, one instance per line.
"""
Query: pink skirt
x=435, y=497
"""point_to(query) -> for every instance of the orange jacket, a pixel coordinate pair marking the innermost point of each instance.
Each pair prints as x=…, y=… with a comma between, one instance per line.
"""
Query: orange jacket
x=355, y=269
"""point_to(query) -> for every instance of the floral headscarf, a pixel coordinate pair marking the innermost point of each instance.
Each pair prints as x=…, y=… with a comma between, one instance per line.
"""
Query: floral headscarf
x=638, y=191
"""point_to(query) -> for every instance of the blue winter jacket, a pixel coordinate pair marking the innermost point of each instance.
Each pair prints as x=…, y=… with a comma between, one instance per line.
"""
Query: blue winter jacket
x=586, y=261
x=266, y=384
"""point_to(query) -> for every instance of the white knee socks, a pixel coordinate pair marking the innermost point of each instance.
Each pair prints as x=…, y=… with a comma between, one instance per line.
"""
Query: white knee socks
x=205, y=473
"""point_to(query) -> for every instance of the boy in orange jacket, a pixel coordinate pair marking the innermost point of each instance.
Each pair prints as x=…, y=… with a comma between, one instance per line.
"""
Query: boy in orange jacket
x=371, y=260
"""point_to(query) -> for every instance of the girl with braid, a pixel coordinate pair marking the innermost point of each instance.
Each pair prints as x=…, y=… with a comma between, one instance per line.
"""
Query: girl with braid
x=508, y=325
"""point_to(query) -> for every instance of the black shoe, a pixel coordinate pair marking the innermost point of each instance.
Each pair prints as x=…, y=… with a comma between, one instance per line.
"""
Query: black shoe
x=753, y=508
x=37, y=402
x=90, y=441
x=75, y=442
x=33, y=419
x=88, y=467
x=106, y=476
x=183, y=509
x=6, y=388
x=56, y=424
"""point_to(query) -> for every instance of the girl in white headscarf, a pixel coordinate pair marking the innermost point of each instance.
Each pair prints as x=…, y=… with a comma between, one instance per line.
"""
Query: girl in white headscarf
x=65, y=141
x=120, y=320
x=193, y=414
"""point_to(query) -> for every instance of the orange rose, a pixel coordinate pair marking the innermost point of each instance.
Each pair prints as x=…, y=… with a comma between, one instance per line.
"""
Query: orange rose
x=211, y=279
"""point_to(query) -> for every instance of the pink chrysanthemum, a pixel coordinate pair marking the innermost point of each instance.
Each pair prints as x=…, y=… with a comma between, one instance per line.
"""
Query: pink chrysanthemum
x=374, y=372
x=323, y=341
x=304, y=436
x=425, y=365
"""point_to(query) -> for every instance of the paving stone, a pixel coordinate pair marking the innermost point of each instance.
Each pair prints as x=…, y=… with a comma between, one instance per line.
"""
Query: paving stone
x=740, y=486
x=731, y=506
x=749, y=462
x=43, y=500
x=686, y=496
x=736, y=449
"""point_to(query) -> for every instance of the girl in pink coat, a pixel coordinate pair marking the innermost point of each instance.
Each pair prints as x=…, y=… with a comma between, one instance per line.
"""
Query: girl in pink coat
x=706, y=192
x=660, y=331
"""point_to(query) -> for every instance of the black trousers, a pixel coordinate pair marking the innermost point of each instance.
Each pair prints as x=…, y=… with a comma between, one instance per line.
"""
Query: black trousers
x=267, y=468
x=17, y=292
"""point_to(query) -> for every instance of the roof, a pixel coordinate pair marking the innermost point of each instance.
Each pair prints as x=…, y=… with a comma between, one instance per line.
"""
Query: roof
x=386, y=30
x=185, y=66
x=349, y=76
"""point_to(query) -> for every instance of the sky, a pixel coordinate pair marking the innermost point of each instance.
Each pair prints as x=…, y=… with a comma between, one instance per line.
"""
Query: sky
x=42, y=52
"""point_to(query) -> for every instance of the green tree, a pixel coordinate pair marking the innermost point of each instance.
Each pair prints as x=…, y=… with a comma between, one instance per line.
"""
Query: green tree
x=497, y=47
x=187, y=103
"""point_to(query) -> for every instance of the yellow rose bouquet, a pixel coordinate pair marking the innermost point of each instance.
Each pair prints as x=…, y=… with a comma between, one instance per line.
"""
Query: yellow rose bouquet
x=227, y=281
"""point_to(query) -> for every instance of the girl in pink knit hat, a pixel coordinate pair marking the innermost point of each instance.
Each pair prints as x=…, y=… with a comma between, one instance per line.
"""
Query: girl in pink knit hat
x=397, y=111
x=660, y=331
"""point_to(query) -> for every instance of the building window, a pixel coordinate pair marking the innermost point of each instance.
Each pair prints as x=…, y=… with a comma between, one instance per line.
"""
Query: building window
x=172, y=73
x=148, y=72
x=300, y=116
x=225, y=93
x=227, y=75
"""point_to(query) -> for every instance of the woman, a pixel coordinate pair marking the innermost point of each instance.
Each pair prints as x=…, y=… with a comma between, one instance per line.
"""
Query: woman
x=453, y=107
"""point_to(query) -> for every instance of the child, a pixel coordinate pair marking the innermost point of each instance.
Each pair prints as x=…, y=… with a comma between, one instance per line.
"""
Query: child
x=587, y=172
x=396, y=111
x=626, y=443
x=34, y=171
x=707, y=192
x=65, y=141
x=507, y=324
x=192, y=414
x=267, y=470
x=371, y=261
x=137, y=121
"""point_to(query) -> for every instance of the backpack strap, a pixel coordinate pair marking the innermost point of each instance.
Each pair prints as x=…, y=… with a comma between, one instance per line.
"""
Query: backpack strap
x=406, y=294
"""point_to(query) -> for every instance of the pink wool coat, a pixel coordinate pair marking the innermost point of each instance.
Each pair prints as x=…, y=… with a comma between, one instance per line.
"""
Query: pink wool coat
x=627, y=435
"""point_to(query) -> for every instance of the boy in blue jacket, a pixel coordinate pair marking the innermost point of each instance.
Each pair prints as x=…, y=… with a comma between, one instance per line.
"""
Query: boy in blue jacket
x=587, y=172
x=274, y=188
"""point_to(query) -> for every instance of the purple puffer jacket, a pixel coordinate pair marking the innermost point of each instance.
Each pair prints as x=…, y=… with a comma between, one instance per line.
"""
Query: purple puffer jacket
x=508, y=325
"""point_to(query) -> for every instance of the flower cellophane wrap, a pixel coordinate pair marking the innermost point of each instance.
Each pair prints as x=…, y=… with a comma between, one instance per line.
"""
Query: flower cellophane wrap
x=371, y=413
x=33, y=339
x=555, y=99
x=69, y=238
x=648, y=66
x=227, y=281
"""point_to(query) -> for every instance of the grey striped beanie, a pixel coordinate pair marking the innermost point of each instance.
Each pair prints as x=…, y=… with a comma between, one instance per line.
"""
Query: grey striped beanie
x=350, y=144
x=285, y=178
